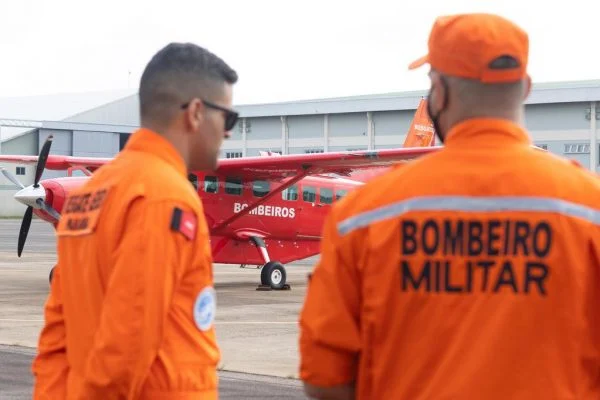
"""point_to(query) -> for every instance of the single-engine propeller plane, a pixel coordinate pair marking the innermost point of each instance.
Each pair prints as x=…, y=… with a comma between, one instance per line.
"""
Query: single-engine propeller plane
x=265, y=210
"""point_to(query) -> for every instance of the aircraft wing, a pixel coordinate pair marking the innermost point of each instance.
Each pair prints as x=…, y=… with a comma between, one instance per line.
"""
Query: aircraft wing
x=261, y=167
x=58, y=162
x=341, y=163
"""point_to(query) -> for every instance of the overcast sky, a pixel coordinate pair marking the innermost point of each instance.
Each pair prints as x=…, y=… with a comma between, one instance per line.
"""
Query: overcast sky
x=283, y=50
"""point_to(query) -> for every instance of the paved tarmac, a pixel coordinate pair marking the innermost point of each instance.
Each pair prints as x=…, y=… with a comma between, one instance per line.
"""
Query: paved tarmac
x=16, y=380
x=257, y=331
x=43, y=233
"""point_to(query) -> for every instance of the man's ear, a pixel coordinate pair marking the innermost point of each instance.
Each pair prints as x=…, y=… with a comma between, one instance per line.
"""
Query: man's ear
x=527, y=86
x=194, y=115
x=437, y=92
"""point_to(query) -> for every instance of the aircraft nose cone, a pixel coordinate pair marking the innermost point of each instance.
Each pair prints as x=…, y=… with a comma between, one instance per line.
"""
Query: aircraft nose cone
x=29, y=195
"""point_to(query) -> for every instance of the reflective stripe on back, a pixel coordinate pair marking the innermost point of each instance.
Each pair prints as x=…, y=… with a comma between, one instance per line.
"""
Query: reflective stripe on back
x=470, y=204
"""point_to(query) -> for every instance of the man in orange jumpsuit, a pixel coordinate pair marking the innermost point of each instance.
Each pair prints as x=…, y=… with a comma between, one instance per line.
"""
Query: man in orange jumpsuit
x=131, y=308
x=472, y=273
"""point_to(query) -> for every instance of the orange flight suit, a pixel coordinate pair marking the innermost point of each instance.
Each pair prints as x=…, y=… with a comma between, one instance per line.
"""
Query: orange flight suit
x=471, y=273
x=131, y=306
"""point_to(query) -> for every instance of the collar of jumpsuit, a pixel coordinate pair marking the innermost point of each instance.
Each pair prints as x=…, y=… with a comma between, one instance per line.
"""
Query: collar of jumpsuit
x=486, y=132
x=148, y=141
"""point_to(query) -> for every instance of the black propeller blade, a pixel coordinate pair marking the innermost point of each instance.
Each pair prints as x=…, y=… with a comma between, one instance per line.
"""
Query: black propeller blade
x=26, y=224
x=42, y=158
x=24, y=229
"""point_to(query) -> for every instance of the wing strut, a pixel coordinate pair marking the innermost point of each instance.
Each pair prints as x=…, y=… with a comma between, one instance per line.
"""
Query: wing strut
x=215, y=228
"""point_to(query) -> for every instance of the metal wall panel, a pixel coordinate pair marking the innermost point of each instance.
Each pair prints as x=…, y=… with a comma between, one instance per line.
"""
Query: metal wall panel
x=348, y=124
x=61, y=142
x=349, y=147
x=389, y=141
x=305, y=126
x=26, y=144
x=305, y=149
x=392, y=122
x=559, y=116
x=387, y=146
x=263, y=128
x=95, y=144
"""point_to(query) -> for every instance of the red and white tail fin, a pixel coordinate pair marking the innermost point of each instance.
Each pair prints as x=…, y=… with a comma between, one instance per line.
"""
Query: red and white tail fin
x=421, y=132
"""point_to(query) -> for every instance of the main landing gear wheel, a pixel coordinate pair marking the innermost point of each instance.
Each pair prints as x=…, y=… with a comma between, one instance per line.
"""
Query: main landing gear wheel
x=273, y=276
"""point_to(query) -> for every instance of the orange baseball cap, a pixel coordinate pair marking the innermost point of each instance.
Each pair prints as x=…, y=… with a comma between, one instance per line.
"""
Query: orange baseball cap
x=485, y=47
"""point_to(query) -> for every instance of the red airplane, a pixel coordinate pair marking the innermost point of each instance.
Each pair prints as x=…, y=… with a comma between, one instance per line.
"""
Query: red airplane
x=260, y=210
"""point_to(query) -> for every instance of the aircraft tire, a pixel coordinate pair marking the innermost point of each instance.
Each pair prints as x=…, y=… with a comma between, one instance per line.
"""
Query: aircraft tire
x=50, y=275
x=273, y=274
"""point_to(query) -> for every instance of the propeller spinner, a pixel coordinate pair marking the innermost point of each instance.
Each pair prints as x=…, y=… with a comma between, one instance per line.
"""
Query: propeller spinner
x=33, y=196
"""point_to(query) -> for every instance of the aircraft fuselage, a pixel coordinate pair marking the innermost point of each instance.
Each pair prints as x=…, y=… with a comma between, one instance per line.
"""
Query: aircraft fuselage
x=289, y=222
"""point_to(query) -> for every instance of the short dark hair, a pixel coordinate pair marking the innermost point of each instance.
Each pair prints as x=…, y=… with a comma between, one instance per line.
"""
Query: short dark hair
x=177, y=73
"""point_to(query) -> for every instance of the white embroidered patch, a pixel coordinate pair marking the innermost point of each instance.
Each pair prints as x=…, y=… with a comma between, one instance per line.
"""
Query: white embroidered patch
x=205, y=308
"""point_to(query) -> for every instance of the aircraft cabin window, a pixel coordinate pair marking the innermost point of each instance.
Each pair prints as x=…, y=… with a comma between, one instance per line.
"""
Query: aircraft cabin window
x=340, y=193
x=233, y=186
x=261, y=188
x=326, y=196
x=193, y=178
x=211, y=184
x=290, y=194
x=309, y=193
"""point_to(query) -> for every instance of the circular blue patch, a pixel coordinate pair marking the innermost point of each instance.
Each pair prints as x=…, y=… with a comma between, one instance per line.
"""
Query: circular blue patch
x=205, y=308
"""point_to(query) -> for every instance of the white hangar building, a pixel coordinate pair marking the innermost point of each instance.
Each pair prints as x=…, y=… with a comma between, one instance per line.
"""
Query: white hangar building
x=561, y=117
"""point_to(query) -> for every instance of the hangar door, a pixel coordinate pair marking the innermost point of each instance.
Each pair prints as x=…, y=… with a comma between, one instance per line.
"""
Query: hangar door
x=95, y=144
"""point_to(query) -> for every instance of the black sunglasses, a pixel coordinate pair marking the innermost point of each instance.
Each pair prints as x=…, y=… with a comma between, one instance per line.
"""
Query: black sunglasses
x=231, y=116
